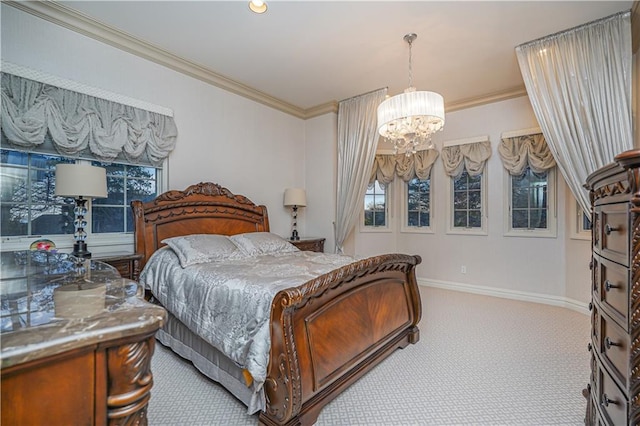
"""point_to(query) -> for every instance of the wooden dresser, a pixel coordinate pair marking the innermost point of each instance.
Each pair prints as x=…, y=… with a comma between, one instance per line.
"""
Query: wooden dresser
x=614, y=390
x=63, y=363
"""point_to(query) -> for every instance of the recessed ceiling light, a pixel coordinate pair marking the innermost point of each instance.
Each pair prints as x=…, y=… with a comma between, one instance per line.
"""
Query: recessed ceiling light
x=258, y=6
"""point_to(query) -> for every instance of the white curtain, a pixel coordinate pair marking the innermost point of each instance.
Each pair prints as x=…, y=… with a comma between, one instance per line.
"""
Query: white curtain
x=81, y=125
x=357, y=142
x=579, y=84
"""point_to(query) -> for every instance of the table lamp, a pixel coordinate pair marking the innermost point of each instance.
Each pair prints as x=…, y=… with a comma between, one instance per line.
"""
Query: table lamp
x=294, y=198
x=80, y=181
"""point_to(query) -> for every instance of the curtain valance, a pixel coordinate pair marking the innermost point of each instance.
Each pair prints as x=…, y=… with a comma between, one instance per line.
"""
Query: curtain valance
x=80, y=125
x=518, y=152
x=406, y=167
x=470, y=156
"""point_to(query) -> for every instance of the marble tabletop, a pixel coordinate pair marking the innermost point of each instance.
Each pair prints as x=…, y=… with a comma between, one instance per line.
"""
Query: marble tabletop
x=51, y=303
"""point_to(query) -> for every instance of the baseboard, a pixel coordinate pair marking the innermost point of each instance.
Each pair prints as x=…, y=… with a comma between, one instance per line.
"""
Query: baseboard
x=525, y=296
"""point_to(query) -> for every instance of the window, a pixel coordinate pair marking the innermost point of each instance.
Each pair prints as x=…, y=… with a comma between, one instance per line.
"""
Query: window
x=28, y=203
x=29, y=207
x=375, y=206
x=467, y=209
x=580, y=223
x=417, y=202
x=124, y=184
x=531, y=199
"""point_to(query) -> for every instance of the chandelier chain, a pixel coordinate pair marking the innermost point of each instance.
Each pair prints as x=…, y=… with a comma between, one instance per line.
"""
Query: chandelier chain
x=410, y=41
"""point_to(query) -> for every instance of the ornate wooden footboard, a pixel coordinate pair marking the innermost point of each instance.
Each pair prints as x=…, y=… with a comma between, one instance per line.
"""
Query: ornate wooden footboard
x=330, y=331
x=326, y=333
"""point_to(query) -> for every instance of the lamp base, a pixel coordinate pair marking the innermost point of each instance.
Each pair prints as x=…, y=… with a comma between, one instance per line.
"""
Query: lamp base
x=80, y=250
x=294, y=236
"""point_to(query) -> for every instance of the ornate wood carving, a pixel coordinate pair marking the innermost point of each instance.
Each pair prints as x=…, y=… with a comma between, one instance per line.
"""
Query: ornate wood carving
x=634, y=301
x=130, y=382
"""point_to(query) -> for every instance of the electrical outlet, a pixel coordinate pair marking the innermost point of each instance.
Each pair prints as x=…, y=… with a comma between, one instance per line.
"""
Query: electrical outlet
x=463, y=269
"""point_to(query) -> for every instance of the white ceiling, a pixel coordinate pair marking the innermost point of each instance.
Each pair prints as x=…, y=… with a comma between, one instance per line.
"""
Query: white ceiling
x=309, y=53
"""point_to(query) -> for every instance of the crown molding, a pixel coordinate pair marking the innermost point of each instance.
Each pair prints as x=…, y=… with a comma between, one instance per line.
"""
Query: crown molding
x=76, y=21
x=503, y=95
x=83, y=24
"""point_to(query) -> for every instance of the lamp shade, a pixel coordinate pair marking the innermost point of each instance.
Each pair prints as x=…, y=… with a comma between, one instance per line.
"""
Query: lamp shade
x=81, y=180
x=295, y=197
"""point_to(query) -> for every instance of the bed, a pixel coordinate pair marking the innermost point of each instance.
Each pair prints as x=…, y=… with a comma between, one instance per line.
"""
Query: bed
x=324, y=332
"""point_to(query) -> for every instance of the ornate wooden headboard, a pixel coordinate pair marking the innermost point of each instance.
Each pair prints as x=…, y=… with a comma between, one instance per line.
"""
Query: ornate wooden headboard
x=204, y=208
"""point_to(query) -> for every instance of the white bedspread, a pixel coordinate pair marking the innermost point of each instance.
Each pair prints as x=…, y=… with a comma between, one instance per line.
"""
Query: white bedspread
x=228, y=303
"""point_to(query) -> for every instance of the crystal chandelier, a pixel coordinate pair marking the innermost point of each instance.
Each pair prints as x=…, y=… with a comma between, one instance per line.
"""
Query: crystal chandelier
x=410, y=119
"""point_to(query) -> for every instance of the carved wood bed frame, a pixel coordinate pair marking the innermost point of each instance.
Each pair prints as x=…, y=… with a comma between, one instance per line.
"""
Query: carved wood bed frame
x=326, y=333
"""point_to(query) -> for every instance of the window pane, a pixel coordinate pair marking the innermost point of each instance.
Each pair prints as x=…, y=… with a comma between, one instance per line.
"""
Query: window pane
x=529, y=200
x=475, y=182
x=475, y=200
x=107, y=219
x=460, y=219
x=374, y=205
x=413, y=219
x=520, y=219
x=460, y=200
x=424, y=218
x=586, y=222
x=520, y=197
x=475, y=219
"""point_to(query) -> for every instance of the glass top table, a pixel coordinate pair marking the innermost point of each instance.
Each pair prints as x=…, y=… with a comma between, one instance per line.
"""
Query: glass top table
x=48, y=301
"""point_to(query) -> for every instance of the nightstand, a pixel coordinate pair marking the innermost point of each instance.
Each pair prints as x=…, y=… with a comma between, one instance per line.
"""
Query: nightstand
x=309, y=244
x=128, y=264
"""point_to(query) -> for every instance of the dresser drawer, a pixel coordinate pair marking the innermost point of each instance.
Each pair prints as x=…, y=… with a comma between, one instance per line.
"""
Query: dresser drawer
x=613, y=347
x=611, y=289
x=611, y=237
x=611, y=402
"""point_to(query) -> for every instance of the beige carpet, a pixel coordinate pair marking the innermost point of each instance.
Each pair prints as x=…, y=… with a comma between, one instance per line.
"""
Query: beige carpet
x=480, y=360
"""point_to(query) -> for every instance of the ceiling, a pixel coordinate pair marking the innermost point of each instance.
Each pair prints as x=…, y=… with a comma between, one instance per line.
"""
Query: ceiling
x=305, y=54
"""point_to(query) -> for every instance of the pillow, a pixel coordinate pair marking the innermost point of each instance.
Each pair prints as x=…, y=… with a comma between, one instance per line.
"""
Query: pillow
x=256, y=243
x=201, y=248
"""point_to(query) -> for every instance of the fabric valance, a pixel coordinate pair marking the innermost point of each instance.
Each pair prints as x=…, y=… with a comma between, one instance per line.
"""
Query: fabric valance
x=80, y=125
x=406, y=167
x=528, y=150
x=471, y=156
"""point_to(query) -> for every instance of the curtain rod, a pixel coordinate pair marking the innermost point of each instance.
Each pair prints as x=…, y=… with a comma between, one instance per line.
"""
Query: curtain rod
x=579, y=27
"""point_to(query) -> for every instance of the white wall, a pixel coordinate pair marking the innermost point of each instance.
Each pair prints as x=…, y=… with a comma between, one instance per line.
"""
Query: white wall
x=249, y=148
x=512, y=264
x=258, y=152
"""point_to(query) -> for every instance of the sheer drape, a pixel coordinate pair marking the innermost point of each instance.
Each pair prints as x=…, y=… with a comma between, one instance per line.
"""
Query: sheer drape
x=579, y=84
x=471, y=157
x=357, y=142
x=79, y=124
x=518, y=153
x=406, y=167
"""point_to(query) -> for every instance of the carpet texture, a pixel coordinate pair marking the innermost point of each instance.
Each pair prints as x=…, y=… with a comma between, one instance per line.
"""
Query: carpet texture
x=480, y=361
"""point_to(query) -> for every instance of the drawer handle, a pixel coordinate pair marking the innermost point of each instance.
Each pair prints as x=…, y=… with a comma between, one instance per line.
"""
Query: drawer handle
x=608, y=286
x=606, y=401
x=589, y=347
x=608, y=229
x=591, y=265
x=590, y=306
x=608, y=343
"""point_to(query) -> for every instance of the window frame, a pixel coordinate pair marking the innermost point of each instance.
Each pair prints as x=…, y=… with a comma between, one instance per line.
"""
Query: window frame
x=484, y=229
x=552, y=211
x=404, y=227
x=379, y=229
x=113, y=240
x=577, y=230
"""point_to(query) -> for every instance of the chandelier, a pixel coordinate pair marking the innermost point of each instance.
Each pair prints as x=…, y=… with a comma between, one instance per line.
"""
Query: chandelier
x=408, y=120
